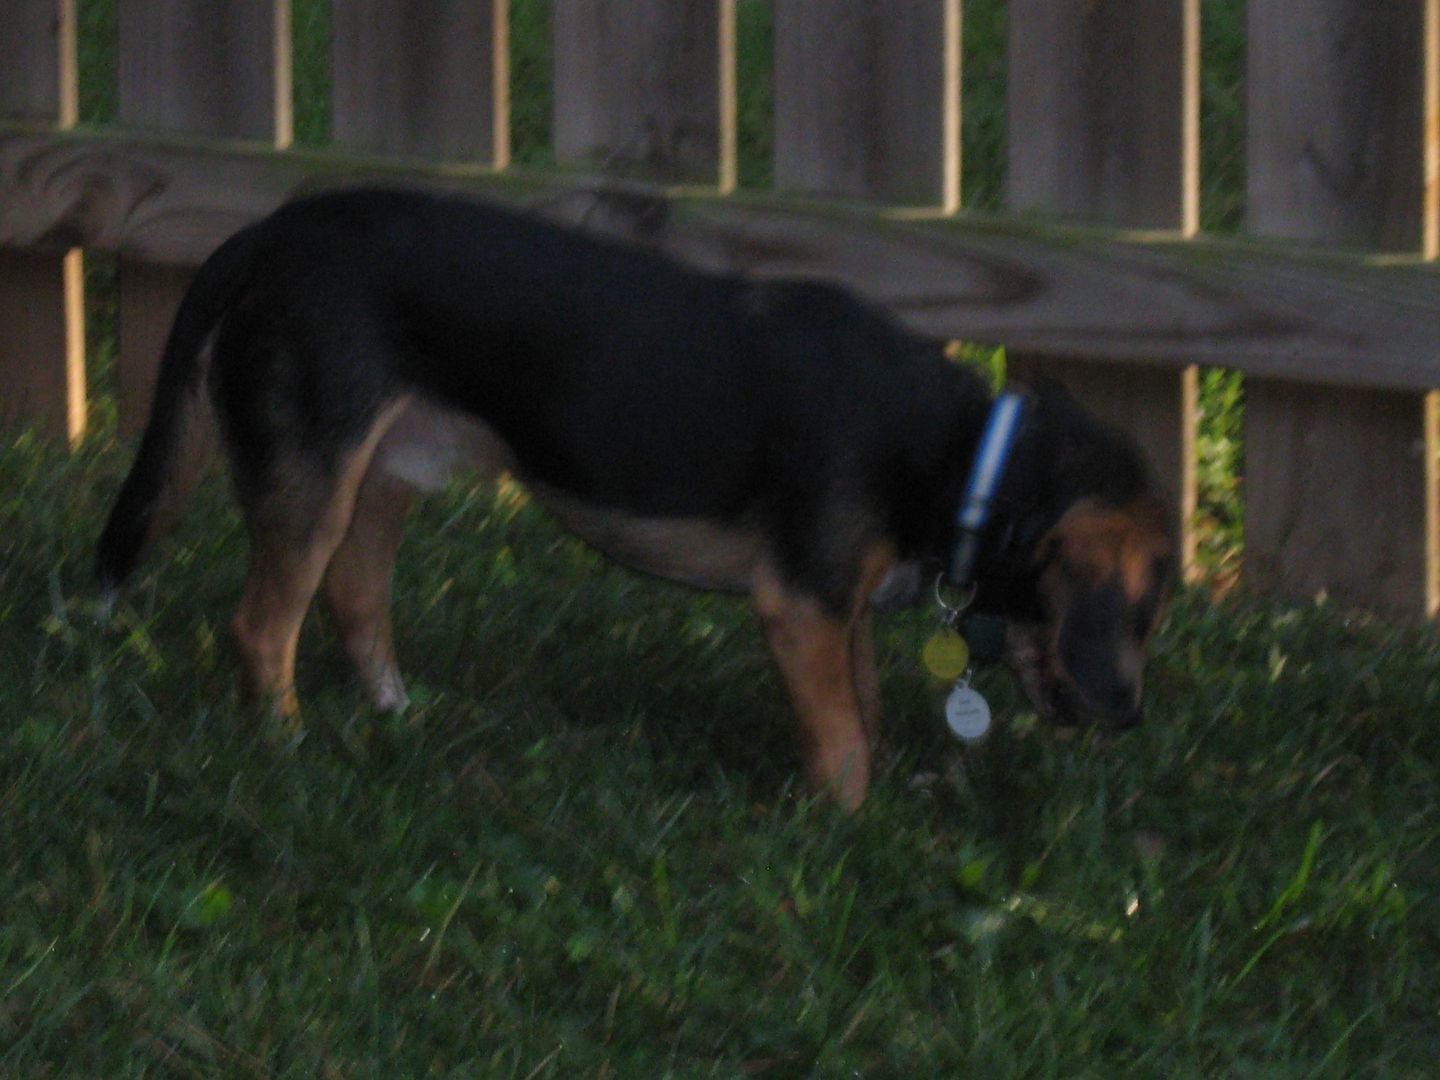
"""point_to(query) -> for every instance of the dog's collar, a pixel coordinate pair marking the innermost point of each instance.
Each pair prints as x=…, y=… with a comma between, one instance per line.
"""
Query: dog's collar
x=986, y=471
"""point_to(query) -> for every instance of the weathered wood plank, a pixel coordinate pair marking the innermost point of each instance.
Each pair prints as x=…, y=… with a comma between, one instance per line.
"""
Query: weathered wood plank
x=42, y=349
x=867, y=100
x=1104, y=111
x=149, y=298
x=1335, y=145
x=1339, y=321
x=37, y=41
x=144, y=197
x=1340, y=494
x=646, y=88
x=422, y=78
x=220, y=69
x=1339, y=485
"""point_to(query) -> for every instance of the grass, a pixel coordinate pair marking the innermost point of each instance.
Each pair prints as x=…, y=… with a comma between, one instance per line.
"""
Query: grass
x=584, y=852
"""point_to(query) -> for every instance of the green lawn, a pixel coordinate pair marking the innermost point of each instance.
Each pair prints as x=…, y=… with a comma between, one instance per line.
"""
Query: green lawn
x=585, y=851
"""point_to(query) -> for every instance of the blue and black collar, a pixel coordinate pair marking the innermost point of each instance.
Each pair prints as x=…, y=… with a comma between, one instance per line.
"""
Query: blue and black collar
x=992, y=456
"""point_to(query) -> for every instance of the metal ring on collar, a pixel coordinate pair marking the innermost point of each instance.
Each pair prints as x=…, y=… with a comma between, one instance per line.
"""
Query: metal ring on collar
x=953, y=611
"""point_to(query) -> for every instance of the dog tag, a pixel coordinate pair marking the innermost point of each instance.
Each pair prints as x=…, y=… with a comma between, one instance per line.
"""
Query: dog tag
x=946, y=655
x=967, y=712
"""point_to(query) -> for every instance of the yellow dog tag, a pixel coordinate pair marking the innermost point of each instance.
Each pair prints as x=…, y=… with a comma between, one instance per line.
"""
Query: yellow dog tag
x=946, y=655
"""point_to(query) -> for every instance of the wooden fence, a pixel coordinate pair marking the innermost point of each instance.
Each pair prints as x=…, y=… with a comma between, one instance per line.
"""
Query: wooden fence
x=1115, y=293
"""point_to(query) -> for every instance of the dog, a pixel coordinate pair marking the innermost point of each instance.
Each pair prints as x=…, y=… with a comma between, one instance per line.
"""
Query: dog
x=780, y=438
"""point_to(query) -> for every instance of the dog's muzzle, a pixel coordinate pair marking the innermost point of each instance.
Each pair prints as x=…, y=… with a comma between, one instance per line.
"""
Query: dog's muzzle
x=1054, y=696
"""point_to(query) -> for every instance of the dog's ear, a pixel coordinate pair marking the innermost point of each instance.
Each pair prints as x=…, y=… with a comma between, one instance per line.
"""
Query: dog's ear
x=1103, y=578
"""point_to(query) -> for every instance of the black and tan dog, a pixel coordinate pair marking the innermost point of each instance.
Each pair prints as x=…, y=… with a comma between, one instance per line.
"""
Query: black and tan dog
x=781, y=438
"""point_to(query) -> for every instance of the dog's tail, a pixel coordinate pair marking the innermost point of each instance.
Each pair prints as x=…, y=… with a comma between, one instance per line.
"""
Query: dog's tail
x=172, y=450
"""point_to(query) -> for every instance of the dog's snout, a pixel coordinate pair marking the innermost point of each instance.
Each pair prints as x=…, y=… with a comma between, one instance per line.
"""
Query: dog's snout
x=1119, y=710
x=1130, y=718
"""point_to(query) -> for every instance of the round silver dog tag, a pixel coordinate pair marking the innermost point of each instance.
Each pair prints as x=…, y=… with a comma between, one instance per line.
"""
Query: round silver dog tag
x=967, y=712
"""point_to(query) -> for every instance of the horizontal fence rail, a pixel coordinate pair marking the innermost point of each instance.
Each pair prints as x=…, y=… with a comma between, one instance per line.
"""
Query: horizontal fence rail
x=1099, y=276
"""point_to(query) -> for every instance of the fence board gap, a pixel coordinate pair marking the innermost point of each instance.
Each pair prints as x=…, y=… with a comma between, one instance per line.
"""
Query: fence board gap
x=311, y=72
x=983, y=109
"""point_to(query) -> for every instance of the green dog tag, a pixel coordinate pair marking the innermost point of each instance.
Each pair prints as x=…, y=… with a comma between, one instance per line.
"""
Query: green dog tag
x=946, y=655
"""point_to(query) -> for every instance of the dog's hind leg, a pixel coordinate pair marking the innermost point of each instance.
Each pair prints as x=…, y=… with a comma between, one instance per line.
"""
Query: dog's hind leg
x=357, y=584
x=295, y=527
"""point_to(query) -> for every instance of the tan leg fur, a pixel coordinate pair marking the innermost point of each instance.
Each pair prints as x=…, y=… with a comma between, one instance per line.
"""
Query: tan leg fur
x=357, y=585
x=292, y=538
x=817, y=654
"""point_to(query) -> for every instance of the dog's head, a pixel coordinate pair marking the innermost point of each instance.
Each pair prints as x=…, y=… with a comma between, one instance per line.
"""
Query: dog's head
x=1090, y=564
x=1102, y=576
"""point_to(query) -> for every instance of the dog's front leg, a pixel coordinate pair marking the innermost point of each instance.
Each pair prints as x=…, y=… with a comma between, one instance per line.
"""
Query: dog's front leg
x=812, y=650
x=867, y=678
x=828, y=665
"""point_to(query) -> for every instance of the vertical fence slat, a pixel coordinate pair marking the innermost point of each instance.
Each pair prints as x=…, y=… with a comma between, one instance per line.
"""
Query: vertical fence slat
x=37, y=40
x=1340, y=489
x=1103, y=113
x=1337, y=493
x=42, y=357
x=422, y=78
x=867, y=100
x=219, y=69
x=1335, y=151
x=646, y=87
